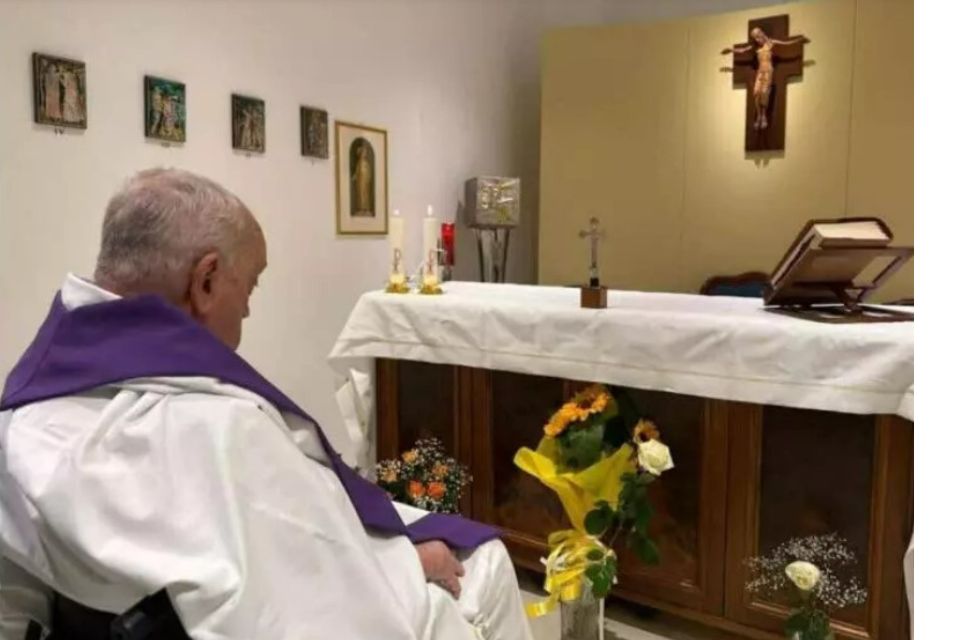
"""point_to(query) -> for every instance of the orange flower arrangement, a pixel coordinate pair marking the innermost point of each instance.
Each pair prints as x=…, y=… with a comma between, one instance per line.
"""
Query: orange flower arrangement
x=425, y=477
x=436, y=490
x=415, y=489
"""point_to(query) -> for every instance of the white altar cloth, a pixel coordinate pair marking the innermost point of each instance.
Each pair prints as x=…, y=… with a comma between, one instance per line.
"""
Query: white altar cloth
x=714, y=347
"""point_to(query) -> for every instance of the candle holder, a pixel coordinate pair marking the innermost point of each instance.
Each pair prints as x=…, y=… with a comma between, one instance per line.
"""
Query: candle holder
x=398, y=281
x=429, y=280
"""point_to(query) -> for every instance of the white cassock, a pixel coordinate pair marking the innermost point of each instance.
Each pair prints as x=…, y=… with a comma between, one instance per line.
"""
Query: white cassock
x=203, y=488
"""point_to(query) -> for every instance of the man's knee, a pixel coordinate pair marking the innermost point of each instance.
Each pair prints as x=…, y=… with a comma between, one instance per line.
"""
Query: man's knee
x=497, y=558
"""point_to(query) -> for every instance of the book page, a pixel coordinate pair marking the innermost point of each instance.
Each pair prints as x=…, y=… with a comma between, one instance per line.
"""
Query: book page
x=862, y=230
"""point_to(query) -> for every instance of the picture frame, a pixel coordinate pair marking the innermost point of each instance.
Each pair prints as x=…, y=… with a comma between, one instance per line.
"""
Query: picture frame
x=314, y=133
x=164, y=109
x=248, y=118
x=361, y=179
x=59, y=91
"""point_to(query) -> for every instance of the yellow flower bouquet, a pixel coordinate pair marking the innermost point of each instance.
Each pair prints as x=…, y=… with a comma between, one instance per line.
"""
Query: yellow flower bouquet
x=599, y=456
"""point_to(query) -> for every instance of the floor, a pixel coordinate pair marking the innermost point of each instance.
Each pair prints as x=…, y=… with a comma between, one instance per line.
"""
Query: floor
x=624, y=621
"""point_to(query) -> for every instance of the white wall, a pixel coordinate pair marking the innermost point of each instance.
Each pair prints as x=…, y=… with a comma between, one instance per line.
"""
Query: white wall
x=455, y=82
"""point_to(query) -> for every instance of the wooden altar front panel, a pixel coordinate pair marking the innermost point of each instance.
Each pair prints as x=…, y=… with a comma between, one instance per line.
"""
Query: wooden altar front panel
x=747, y=477
x=794, y=473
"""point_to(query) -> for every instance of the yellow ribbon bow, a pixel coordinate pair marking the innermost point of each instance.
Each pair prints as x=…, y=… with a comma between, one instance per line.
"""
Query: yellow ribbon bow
x=566, y=566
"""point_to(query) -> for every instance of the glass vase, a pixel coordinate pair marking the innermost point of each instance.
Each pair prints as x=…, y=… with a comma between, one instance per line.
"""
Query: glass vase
x=582, y=619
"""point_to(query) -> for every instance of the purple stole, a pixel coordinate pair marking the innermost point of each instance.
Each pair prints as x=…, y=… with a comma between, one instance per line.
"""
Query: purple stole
x=145, y=337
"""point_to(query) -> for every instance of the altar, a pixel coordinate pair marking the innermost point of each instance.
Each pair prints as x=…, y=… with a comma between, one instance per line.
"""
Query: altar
x=779, y=428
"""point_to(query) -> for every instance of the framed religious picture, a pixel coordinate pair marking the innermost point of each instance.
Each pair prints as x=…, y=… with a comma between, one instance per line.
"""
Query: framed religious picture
x=361, y=159
x=314, y=136
x=248, y=116
x=164, y=109
x=59, y=91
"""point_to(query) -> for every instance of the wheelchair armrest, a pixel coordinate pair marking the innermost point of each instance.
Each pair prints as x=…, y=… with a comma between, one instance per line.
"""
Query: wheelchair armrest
x=153, y=618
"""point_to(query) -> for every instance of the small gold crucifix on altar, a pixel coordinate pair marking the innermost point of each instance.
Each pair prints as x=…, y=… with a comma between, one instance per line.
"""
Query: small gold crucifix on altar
x=765, y=64
x=594, y=295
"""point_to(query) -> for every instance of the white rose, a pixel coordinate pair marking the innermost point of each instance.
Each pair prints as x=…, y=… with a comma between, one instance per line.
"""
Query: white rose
x=654, y=456
x=803, y=574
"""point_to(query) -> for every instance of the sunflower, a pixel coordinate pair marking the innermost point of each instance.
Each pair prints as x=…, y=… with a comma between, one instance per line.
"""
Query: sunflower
x=593, y=399
x=644, y=431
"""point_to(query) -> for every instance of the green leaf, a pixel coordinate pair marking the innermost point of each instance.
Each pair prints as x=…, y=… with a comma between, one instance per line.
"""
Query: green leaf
x=646, y=478
x=643, y=547
x=796, y=624
x=601, y=584
x=630, y=495
x=605, y=577
x=580, y=446
x=611, y=565
x=634, y=506
x=593, y=572
x=598, y=521
x=643, y=514
x=595, y=555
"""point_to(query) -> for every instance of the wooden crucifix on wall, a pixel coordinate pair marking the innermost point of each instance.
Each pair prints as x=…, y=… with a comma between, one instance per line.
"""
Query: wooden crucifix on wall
x=765, y=63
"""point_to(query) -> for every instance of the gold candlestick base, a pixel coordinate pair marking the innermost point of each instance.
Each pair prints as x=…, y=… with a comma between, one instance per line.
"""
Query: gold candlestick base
x=397, y=288
x=430, y=289
x=397, y=284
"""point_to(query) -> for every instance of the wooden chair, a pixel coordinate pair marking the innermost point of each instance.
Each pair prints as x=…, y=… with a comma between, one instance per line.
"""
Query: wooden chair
x=750, y=284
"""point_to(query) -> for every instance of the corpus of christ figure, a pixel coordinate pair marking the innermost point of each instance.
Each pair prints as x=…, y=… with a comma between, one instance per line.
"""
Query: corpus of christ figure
x=595, y=234
x=764, y=64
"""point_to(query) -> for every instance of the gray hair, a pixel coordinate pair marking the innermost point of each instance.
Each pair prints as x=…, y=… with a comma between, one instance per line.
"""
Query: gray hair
x=160, y=223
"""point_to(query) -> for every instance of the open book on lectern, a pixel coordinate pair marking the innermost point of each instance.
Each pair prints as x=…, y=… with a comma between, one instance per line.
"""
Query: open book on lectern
x=830, y=269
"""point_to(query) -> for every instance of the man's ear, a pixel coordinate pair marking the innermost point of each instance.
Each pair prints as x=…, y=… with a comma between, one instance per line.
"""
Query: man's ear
x=200, y=292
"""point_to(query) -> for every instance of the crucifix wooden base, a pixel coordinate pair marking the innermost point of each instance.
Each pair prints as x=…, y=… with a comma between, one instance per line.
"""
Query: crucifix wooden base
x=781, y=60
x=593, y=297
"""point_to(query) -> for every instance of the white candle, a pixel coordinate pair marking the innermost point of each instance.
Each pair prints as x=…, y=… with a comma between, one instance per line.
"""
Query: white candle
x=431, y=233
x=396, y=232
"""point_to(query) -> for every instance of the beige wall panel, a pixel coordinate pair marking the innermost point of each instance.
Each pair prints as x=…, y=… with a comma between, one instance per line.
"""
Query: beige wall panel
x=612, y=146
x=641, y=127
x=881, y=151
x=741, y=209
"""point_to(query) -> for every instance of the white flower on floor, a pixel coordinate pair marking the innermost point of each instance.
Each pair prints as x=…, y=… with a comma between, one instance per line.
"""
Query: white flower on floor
x=654, y=456
x=803, y=574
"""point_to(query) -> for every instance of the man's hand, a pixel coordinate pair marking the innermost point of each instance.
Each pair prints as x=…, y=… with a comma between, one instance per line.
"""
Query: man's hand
x=440, y=565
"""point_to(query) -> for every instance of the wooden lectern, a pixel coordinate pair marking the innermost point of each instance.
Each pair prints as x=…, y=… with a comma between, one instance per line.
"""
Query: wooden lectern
x=831, y=268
